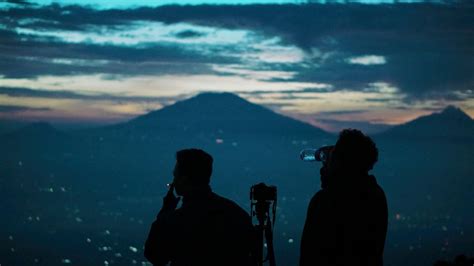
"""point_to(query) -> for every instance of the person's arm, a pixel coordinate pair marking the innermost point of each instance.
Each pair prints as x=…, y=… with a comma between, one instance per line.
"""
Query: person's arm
x=377, y=230
x=310, y=252
x=158, y=244
x=382, y=226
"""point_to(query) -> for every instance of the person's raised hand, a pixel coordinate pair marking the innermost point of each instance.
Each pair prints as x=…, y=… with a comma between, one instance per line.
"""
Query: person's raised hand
x=170, y=201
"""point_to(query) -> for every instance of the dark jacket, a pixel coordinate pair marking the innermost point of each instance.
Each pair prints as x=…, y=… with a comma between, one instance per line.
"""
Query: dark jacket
x=346, y=225
x=207, y=230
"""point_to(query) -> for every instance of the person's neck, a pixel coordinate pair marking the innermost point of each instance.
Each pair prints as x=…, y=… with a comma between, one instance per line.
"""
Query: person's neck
x=196, y=191
x=347, y=180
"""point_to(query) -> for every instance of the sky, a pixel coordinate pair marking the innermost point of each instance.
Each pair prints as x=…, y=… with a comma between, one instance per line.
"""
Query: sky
x=368, y=64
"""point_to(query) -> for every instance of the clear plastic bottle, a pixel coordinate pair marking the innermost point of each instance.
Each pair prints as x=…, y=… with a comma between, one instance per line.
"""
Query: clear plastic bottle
x=320, y=155
x=308, y=155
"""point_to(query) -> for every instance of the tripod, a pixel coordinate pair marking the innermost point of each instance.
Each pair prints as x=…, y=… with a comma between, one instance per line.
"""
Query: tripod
x=261, y=209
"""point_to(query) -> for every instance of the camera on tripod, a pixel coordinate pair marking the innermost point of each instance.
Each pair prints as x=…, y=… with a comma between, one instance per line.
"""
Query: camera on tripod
x=263, y=192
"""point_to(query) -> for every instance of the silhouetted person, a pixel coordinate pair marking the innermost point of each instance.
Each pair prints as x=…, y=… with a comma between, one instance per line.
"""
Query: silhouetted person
x=207, y=229
x=346, y=223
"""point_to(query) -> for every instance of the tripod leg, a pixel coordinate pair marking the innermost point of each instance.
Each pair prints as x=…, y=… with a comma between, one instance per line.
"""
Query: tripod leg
x=269, y=238
x=259, y=240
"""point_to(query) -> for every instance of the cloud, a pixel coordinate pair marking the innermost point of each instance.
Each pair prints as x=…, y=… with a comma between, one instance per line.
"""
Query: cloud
x=426, y=47
x=419, y=48
x=74, y=106
x=18, y=108
x=348, y=56
x=340, y=112
x=367, y=60
x=189, y=34
x=75, y=95
x=33, y=57
x=73, y=40
x=19, y=2
x=259, y=74
x=151, y=86
x=338, y=125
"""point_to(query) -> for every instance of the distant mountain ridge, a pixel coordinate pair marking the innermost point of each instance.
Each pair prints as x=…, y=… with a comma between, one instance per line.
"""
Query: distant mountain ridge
x=450, y=122
x=219, y=113
x=228, y=113
x=36, y=130
x=7, y=126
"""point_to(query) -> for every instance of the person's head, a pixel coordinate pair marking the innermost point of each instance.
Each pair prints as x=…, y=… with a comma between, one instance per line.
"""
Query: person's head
x=353, y=154
x=193, y=170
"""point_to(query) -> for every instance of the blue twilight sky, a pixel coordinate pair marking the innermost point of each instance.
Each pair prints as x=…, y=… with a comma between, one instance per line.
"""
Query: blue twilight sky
x=333, y=65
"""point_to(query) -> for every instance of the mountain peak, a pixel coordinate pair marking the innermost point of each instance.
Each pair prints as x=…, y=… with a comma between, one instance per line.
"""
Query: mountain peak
x=212, y=112
x=206, y=104
x=214, y=95
x=454, y=111
x=450, y=122
x=217, y=98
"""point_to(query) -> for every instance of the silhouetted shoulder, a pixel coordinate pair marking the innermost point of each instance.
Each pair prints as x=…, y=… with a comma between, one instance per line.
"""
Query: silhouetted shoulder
x=382, y=200
x=231, y=206
x=317, y=201
x=320, y=196
x=378, y=191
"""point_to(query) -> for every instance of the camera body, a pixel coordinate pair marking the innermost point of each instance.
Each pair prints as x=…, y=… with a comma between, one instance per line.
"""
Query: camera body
x=262, y=192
